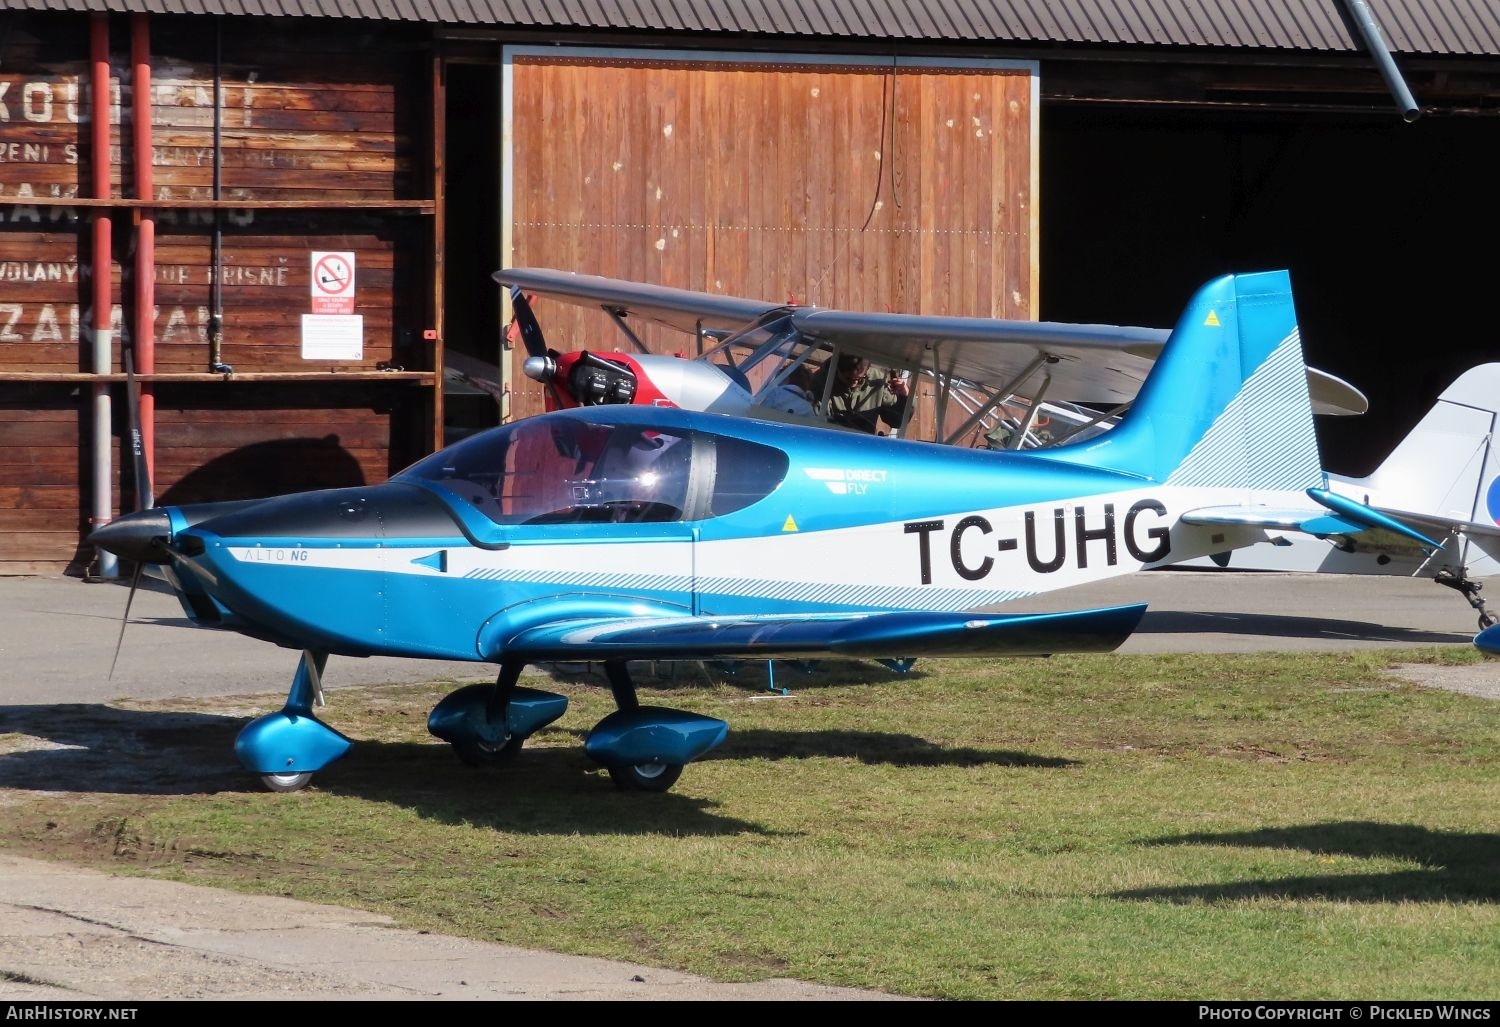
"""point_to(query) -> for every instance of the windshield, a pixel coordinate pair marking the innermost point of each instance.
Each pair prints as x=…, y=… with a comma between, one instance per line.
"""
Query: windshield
x=556, y=471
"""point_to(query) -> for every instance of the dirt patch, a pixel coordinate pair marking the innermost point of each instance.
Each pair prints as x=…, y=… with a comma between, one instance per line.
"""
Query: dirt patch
x=93, y=748
x=1481, y=679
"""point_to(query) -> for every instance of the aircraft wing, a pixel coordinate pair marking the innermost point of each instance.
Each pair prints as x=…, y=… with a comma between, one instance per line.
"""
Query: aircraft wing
x=683, y=310
x=1087, y=363
x=873, y=636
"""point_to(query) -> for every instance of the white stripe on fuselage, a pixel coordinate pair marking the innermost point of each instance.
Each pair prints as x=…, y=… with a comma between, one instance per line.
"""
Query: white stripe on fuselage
x=953, y=561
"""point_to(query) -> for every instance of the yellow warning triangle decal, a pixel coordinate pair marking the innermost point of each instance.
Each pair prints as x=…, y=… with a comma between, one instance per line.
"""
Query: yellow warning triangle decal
x=1213, y=319
x=790, y=524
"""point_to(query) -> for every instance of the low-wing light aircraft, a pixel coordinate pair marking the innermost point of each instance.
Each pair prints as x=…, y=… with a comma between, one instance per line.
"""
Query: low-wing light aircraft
x=1019, y=385
x=618, y=532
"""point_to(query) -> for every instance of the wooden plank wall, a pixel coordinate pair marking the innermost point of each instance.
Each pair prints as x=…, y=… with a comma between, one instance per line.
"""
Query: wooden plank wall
x=41, y=518
x=842, y=185
x=306, y=113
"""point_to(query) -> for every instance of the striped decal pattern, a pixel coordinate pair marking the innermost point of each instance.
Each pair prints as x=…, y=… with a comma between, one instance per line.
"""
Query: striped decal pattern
x=802, y=593
x=1264, y=438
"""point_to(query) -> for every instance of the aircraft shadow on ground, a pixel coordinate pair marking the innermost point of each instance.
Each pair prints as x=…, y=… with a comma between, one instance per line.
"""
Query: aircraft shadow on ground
x=1453, y=866
x=1269, y=625
x=101, y=749
x=871, y=747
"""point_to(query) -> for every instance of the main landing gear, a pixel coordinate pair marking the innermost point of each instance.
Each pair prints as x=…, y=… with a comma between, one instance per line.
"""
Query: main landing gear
x=1469, y=589
x=643, y=747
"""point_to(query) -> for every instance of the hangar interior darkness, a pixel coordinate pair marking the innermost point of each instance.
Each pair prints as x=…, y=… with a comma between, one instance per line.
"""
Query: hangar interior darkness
x=1386, y=227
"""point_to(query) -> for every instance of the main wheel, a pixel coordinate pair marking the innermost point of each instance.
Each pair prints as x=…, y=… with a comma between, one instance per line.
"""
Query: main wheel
x=285, y=782
x=646, y=777
x=1488, y=620
x=488, y=754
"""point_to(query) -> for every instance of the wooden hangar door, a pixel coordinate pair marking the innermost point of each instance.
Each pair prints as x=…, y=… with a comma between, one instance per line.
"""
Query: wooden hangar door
x=864, y=183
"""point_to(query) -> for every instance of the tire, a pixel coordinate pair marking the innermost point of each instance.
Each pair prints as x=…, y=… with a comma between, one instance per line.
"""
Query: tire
x=646, y=777
x=488, y=754
x=285, y=782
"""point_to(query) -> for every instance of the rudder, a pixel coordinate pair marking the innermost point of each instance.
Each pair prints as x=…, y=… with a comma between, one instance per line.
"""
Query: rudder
x=1226, y=403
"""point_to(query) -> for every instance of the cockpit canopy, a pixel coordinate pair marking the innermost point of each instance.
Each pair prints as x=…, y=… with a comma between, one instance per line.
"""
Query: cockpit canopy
x=562, y=470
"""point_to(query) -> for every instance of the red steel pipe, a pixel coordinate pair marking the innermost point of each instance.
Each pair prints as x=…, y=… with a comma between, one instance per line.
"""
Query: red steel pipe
x=145, y=248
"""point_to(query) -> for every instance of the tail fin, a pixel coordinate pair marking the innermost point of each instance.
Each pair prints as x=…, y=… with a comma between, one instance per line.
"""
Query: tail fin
x=1448, y=466
x=1446, y=472
x=1226, y=404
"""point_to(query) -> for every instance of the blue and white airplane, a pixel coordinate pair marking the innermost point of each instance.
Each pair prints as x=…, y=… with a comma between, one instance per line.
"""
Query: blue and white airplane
x=624, y=532
x=1017, y=385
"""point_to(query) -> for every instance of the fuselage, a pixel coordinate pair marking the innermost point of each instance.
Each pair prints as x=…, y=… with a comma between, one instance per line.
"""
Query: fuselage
x=526, y=522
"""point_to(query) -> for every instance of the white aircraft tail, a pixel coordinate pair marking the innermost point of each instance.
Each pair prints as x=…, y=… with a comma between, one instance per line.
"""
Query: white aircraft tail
x=1446, y=472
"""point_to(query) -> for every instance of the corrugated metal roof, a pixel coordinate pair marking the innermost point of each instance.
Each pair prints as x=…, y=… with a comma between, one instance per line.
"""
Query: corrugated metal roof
x=1452, y=27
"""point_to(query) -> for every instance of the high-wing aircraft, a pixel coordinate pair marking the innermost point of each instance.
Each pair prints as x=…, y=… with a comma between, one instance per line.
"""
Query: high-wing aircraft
x=618, y=532
x=982, y=369
x=1020, y=385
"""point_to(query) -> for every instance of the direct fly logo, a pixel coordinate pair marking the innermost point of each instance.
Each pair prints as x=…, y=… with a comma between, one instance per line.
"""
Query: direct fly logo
x=846, y=481
x=1492, y=500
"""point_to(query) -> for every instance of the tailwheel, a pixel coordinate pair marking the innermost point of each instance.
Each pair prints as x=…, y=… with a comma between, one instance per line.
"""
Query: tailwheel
x=285, y=782
x=1467, y=587
x=646, y=777
x=479, y=753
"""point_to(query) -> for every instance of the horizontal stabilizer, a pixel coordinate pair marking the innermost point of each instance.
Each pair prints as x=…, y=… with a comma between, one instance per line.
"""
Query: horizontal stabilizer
x=1367, y=516
x=872, y=636
x=1338, y=515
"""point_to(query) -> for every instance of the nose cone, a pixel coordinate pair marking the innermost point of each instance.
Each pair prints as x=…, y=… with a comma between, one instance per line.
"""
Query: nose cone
x=140, y=537
x=539, y=369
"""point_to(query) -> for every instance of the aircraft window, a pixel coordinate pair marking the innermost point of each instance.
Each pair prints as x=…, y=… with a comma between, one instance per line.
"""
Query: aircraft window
x=638, y=475
x=745, y=472
x=545, y=471
x=553, y=472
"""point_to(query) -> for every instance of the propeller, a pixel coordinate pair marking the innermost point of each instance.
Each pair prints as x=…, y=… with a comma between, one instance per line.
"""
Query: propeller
x=138, y=538
x=143, y=498
x=541, y=363
x=526, y=323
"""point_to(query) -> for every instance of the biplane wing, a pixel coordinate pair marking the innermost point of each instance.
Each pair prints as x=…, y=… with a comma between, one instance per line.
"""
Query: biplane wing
x=682, y=310
x=1097, y=364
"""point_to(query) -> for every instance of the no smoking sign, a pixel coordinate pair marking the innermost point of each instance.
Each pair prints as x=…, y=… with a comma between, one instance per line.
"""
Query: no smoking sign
x=332, y=283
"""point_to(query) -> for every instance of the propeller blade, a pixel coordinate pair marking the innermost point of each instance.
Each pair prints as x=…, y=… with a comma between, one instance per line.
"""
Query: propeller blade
x=526, y=323
x=135, y=579
x=143, y=498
